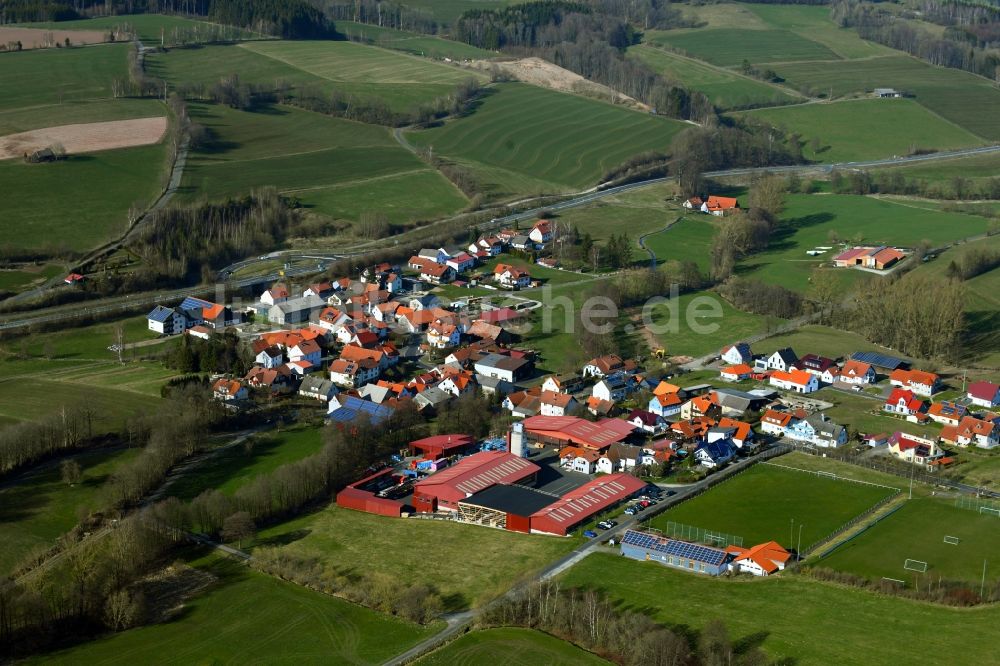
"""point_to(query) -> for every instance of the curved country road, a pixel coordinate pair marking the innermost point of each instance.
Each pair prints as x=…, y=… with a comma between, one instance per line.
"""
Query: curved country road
x=119, y=304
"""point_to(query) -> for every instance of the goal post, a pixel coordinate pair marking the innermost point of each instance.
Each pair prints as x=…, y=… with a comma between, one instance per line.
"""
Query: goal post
x=952, y=540
x=829, y=475
x=915, y=565
x=989, y=510
x=893, y=580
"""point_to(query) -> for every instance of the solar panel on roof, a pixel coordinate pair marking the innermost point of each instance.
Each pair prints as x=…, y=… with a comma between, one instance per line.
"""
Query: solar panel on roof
x=877, y=359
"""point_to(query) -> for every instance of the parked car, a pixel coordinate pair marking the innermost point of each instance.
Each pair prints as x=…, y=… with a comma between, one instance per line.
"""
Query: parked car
x=590, y=534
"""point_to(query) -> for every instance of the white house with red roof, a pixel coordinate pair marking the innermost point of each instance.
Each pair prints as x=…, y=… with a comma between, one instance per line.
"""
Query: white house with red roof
x=973, y=432
x=918, y=381
x=761, y=560
x=798, y=381
x=511, y=277
x=775, y=422
x=984, y=394
x=554, y=403
x=461, y=262
x=306, y=350
x=719, y=206
x=278, y=293
x=228, y=389
x=736, y=373
x=541, y=233
x=905, y=403
x=857, y=373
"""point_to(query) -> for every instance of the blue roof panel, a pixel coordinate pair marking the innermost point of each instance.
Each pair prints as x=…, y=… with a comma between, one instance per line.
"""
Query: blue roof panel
x=160, y=314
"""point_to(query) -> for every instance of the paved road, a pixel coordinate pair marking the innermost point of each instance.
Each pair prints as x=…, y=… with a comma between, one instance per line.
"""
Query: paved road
x=459, y=622
x=105, y=306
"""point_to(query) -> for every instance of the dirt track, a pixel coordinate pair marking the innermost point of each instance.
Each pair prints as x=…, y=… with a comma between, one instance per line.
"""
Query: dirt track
x=86, y=138
x=547, y=75
x=35, y=38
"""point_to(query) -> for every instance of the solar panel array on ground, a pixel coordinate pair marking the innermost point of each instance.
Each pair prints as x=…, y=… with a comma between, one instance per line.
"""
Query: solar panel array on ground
x=878, y=360
x=691, y=551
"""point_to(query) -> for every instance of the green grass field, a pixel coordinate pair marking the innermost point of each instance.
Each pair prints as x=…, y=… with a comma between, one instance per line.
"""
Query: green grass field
x=412, y=42
x=234, y=467
x=793, y=619
x=80, y=202
x=519, y=647
x=446, y=11
x=724, y=89
x=917, y=531
x=249, y=617
x=94, y=111
x=689, y=239
x=148, y=26
x=488, y=561
x=689, y=327
x=635, y=213
x=731, y=46
x=554, y=137
x=54, y=76
x=813, y=22
x=974, y=166
x=37, y=398
x=965, y=99
x=811, y=220
x=400, y=80
x=761, y=503
x=21, y=279
x=37, y=508
x=405, y=197
x=335, y=167
x=867, y=129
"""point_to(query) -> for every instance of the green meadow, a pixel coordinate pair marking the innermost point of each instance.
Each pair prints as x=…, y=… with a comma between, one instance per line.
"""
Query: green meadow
x=731, y=46
x=399, y=79
x=724, y=89
x=519, y=647
x=94, y=190
x=60, y=76
x=148, y=26
x=962, y=98
x=761, y=504
x=227, y=471
x=867, y=129
x=554, y=137
x=348, y=539
x=795, y=619
x=412, y=42
x=814, y=220
x=917, y=531
x=335, y=167
x=405, y=197
x=249, y=617
x=36, y=508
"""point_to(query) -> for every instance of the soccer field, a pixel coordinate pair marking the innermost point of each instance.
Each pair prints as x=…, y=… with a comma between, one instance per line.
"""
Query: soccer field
x=771, y=503
x=916, y=532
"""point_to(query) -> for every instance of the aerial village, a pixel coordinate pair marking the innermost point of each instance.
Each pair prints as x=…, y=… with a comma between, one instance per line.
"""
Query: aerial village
x=581, y=448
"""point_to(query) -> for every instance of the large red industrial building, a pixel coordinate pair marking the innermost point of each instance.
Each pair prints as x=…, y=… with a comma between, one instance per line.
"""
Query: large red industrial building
x=571, y=430
x=362, y=495
x=445, y=489
x=440, y=446
x=523, y=509
x=578, y=506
